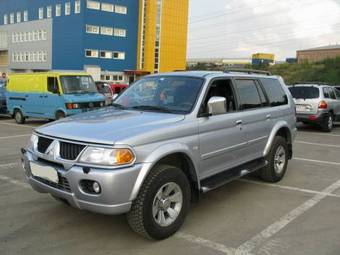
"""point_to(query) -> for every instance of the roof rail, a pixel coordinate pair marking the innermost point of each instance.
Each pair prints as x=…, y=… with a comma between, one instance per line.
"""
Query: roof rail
x=248, y=71
x=312, y=83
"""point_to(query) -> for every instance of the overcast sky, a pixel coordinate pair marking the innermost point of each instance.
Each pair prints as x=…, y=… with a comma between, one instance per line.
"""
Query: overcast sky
x=238, y=28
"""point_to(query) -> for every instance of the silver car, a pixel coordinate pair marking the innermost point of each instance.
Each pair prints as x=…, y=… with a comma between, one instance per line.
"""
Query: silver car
x=166, y=140
x=317, y=104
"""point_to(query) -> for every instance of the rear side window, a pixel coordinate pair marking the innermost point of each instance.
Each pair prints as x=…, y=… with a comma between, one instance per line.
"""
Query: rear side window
x=275, y=92
x=331, y=93
x=304, y=92
x=52, y=84
x=248, y=94
x=326, y=93
x=337, y=93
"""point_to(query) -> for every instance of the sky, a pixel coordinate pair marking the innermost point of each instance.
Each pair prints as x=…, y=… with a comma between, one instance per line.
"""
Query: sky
x=239, y=28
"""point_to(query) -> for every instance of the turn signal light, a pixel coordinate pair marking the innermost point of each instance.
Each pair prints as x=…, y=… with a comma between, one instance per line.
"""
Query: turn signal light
x=323, y=105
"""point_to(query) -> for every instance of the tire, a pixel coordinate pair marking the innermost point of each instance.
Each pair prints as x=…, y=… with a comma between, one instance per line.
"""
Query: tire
x=59, y=115
x=328, y=123
x=19, y=117
x=143, y=216
x=275, y=170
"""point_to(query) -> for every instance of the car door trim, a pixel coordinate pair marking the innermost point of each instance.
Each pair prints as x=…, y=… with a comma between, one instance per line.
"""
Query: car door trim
x=221, y=151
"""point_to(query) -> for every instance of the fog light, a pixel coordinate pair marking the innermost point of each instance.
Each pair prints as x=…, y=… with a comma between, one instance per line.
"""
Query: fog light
x=96, y=187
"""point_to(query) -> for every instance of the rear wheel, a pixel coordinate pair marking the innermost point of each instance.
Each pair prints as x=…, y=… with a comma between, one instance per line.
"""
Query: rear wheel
x=277, y=161
x=162, y=203
x=328, y=123
x=19, y=117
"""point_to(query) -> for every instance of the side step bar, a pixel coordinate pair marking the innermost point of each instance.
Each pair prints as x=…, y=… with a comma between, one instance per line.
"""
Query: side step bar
x=227, y=176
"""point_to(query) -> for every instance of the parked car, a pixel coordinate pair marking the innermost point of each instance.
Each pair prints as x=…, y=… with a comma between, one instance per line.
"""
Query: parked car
x=316, y=104
x=104, y=89
x=51, y=95
x=117, y=88
x=338, y=88
x=3, y=106
x=168, y=139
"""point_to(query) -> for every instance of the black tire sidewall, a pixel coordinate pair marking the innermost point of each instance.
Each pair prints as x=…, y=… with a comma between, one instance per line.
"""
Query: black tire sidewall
x=324, y=125
x=279, y=141
x=59, y=115
x=19, y=113
x=171, y=174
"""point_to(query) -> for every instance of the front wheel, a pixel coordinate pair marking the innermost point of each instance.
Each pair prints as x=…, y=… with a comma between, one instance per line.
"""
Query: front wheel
x=19, y=117
x=277, y=161
x=162, y=203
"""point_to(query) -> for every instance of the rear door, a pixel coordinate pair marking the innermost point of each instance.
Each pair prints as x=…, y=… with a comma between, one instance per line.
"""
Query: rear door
x=50, y=99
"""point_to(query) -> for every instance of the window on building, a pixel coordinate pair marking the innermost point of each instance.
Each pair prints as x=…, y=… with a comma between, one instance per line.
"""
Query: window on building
x=67, y=8
x=43, y=56
x=58, y=10
x=30, y=36
x=21, y=37
x=25, y=16
x=94, y=5
x=106, y=31
x=108, y=7
x=39, y=35
x=118, y=55
x=49, y=12
x=41, y=13
x=16, y=37
x=30, y=57
x=11, y=18
x=5, y=19
x=18, y=17
x=90, y=29
x=77, y=6
x=120, y=32
x=91, y=53
x=120, y=9
x=34, y=57
x=105, y=54
x=43, y=35
x=34, y=35
x=25, y=37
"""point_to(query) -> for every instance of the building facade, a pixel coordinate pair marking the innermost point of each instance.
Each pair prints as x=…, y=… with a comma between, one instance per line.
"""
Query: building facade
x=263, y=59
x=318, y=54
x=100, y=37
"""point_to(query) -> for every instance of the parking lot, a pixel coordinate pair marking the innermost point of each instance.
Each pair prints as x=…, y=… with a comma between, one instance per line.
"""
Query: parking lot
x=299, y=215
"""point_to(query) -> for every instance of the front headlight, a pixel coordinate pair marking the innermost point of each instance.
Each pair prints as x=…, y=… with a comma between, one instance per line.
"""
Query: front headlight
x=33, y=142
x=107, y=157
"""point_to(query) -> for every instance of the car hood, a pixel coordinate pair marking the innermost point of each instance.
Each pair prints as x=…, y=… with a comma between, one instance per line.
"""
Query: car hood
x=108, y=125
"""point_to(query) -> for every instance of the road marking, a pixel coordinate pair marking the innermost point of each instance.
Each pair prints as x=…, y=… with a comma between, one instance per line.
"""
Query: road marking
x=318, y=144
x=9, y=165
x=207, y=243
x=315, y=133
x=274, y=228
x=318, y=161
x=289, y=188
x=17, y=125
x=15, y=182
x=13, y=136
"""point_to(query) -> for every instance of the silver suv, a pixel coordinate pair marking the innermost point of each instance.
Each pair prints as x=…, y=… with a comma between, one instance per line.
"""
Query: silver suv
x=166, y=140
x=317, y=104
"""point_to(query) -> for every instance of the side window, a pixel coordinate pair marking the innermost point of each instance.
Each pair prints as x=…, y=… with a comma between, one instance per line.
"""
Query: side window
x=222, y=88
x=331, y=93
x=326, y=93
x=262, y=96
x=248, y=94
x=52, y=85
x=275, y=92
x=337, y=93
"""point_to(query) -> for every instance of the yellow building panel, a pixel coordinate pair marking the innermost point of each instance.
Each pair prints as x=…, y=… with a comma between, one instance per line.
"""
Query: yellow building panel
x=268, y=56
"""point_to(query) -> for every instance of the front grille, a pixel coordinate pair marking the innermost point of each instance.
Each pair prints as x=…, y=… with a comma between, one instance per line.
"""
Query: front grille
x=90, y=105
x=63, y=183
x=43, y=144
x=70, y=151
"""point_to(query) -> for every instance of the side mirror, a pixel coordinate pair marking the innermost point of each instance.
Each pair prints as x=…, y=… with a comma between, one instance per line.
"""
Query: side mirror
x=114, y=96
x=217, y=105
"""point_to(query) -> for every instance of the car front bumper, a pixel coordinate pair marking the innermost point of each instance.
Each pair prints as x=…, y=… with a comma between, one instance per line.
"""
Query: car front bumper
x=117, y=185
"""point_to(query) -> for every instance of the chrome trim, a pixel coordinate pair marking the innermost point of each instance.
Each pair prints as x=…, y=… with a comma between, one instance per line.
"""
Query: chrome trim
x=220, y=151
x=257, y=139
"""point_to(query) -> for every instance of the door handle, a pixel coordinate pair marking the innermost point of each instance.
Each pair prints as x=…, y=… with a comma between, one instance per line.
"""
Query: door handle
x=268, y=116
x=239, y=122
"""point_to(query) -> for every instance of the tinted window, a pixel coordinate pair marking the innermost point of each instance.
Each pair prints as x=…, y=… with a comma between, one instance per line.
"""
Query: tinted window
x=337, y=93
x=52, y=84
x=262, y=96
x=331, y=93
x=248, y=94
x=304, y=92
x=275, y=92
x=326, y=93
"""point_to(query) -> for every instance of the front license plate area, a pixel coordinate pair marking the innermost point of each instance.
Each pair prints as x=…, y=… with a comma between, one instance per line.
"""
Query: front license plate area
x=44, y=172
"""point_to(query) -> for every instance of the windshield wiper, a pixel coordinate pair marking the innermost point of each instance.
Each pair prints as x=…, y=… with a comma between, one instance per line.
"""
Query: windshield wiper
x=152, y=108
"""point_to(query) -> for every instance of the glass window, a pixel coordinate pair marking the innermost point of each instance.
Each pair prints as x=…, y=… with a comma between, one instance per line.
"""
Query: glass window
x=337, y=92
x=78, y=84
x=77, y=6
x=5, y=19
x=52, y=84
x=248, y=95
x=67, y=8
x=94, y=5
x=275, y=92
x=106, y=54
x=304, y=92
x=106, y=31
x=118, y=55
x=11, y=18
x=107, y=7
x=162, y=94
x=92, y=29
x=91, y=53
x=25, y=16
x=332, y=93
x=120, y=9
x=326, y=93
x=58, y=10
x=49, y=12
x=119, y=32
x=41, y=13
x=18, y=17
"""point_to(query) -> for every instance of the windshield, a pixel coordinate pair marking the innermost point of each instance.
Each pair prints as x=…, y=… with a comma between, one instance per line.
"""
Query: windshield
x=163, y=94
x=304, y=92
x=78, y=84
